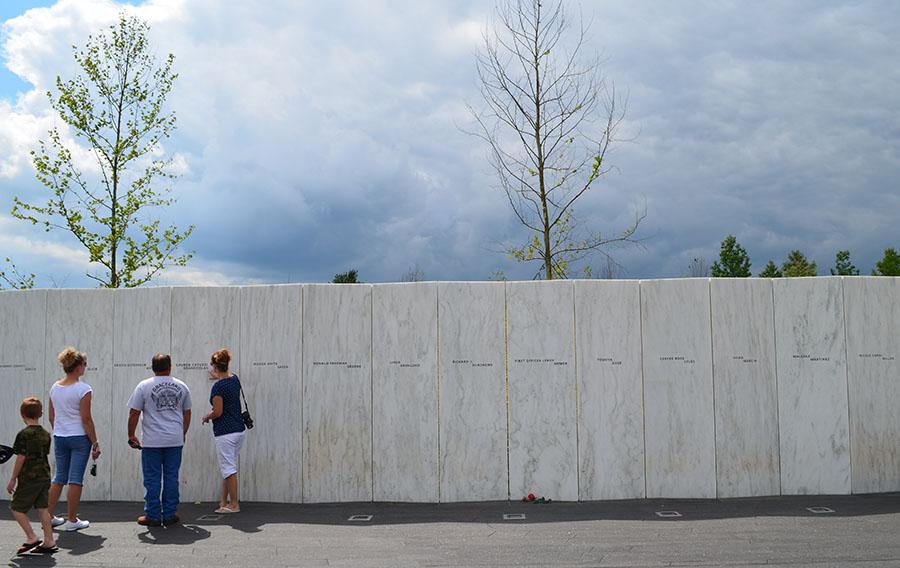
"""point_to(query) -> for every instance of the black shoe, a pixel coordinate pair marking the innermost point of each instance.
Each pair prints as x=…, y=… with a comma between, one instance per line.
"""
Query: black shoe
x=146, y=521
x=171, y=520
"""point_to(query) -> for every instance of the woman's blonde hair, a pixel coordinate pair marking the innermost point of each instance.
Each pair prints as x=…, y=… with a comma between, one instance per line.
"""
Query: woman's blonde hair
x=70, y=358
x=220, y=359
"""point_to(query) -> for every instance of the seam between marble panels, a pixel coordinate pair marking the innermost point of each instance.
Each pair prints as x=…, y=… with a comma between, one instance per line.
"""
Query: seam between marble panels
x=301, y=492
x=575, y=378
x=777, y=397
x=847, y=381
x=643, y=397
x=437, y=373
x=506, y=365
x=712, y=376
x=372, y=390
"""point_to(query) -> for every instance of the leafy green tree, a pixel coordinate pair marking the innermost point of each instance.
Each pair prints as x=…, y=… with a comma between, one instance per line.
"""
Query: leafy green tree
x=733, y=260
x=889, y=265
x=115, y=105
x=348, y=277
x=771, y=271
x=15, y=279
x=797, y=265
x=843, y=266
x=550, y=119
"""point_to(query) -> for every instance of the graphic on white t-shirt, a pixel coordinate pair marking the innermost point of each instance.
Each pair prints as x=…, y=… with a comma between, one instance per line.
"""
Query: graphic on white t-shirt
x=166, y=396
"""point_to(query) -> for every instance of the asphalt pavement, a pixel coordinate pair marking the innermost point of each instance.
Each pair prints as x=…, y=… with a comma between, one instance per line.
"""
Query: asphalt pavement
x=858, y=531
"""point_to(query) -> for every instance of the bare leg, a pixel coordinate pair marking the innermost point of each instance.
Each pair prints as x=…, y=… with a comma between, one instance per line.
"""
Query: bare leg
x=231, y=483
x=25, y=523
x=223, y=501
x=73, y=498
x=44, y=516
x=53, y=497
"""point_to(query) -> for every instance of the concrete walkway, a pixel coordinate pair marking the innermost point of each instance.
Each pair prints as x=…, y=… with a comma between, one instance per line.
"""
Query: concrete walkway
x=861, y=531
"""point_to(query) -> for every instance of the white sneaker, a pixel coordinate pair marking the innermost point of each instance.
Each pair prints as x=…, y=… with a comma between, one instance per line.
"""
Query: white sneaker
x=74, y=526
x=56, y=521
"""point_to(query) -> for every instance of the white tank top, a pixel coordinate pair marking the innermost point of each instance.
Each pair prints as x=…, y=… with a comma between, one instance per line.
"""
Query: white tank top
x=67, y=408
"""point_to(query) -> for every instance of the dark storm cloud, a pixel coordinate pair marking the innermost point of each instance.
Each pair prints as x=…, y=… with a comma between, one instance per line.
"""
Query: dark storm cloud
x=315, y=138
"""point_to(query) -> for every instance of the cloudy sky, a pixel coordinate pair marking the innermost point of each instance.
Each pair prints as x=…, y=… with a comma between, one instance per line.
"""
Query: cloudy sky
x=314, y=137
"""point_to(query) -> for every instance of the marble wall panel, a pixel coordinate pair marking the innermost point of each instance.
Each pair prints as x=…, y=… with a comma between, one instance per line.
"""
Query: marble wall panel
x=472, y=373
x=610, y=390
x=22, y=356
x=678, y=389
x=812, y=386
x=271, y=344
x=84, y=320
x=337, y=393
x=746, y=399
x=142, y=327
x=404, y=392
x=873, y=360
x=542, y=391
x=203, y=320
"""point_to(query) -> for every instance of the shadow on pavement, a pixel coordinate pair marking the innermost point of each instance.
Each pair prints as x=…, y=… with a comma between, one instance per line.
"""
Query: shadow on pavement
x=29, y=560
x=255, y=515
x=177, y=534
x=79, y=542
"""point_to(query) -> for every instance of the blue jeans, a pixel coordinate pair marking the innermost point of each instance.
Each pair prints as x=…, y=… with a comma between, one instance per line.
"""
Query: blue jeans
x=161, y=467
x=72, y=454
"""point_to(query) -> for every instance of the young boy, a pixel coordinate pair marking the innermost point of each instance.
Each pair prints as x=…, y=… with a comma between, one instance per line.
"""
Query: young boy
x=32, y=473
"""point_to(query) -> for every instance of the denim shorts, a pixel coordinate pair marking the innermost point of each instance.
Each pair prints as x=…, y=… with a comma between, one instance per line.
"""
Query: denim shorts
x=72, y=454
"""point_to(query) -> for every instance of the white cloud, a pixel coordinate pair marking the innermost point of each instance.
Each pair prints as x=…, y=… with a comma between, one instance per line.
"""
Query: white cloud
x=314, y=137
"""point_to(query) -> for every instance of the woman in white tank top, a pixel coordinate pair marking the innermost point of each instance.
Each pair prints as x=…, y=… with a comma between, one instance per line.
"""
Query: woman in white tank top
x=74, y=436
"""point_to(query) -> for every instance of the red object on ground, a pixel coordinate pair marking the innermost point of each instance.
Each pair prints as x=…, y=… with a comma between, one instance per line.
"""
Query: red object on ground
x=531, y=497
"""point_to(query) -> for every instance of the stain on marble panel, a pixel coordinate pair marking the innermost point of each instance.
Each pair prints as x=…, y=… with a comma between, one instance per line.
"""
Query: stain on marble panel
x=271, y=343
x=337, y=393
x=678, y=389
x=812, y=386
x=542, y=399
x=610, y=389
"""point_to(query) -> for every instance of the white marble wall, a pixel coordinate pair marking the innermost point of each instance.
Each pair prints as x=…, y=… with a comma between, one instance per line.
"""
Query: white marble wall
x=478, y=391
x=472, y=372
x=873, y=349
x=812, y=386
x=271, y=344
x=610, y=390
x=142, y=327
x=337, y=393
x=542, y=404
x=678, y=389
x=84, y=319
x=404, y=391
x=203, y=320
x=746, y=401
x=22, y=356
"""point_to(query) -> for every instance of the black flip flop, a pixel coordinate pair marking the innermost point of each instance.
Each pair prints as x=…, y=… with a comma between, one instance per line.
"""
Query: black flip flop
x=45, y=549
x=27, y=546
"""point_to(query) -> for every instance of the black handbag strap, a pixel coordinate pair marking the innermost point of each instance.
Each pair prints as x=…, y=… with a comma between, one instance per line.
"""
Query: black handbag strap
x=241, y=388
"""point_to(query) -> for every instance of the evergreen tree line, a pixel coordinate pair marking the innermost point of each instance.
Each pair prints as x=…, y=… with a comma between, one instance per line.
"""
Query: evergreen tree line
x=734, y=262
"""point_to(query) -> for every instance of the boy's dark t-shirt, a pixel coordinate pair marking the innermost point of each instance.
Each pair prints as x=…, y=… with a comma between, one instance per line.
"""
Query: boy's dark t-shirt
x=33, y=442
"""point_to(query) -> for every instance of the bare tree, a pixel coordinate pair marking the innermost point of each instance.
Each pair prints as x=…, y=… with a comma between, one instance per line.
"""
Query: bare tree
x=698, y=268
x=414, y=274
x=550, y=122
x=611, y=270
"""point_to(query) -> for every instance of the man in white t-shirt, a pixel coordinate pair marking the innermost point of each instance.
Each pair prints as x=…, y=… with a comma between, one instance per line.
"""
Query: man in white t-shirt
x=164, y=405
